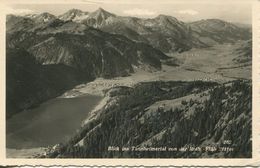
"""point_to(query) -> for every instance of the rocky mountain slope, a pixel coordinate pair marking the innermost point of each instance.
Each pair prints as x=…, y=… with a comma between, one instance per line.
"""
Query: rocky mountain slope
x=74, y=15
x=163, y=32
x=244, y=53
x=29, y=83
x=89, y=50
x=166, y=32
x=215, y=31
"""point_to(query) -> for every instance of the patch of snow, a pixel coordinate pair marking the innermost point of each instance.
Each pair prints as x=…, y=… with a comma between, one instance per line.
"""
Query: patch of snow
x=45, y=19
x=80, y=18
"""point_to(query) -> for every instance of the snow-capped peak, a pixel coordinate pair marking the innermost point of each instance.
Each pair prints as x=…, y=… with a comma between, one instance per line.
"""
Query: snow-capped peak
x=74, y=15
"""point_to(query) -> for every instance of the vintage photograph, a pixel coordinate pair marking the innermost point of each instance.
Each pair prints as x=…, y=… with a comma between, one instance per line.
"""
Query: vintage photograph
x=129, y=80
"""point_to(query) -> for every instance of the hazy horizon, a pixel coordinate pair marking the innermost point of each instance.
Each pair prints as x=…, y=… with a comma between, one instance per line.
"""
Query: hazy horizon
x=187, y=12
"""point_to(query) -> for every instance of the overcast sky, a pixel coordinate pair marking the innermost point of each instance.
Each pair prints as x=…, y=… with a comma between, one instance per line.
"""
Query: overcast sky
x=232, y=12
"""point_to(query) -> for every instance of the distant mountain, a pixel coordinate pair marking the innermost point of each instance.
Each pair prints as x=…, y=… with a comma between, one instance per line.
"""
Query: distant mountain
x=95, y=19
x=98, y=18
x=164, y=32
x=244, y=53
x=29, y=23
x=214, y=31
x=74, y=15
x=43, y=17
x=243, y=25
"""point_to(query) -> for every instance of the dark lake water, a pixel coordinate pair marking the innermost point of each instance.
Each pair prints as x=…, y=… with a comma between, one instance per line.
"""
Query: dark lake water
x=52, y=122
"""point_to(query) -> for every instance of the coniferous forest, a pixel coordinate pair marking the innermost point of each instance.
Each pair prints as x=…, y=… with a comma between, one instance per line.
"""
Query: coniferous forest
x=222, y=113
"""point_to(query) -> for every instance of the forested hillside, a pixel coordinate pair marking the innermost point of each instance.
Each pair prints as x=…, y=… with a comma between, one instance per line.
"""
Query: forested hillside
x=169, y=114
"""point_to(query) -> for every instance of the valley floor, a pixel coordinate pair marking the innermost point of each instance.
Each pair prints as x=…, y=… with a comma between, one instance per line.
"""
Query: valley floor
x=209, y=64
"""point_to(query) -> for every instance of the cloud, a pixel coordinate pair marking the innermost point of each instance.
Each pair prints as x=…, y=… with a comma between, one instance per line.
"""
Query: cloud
x=18, y=11
x=139, y=12
x=188, y=12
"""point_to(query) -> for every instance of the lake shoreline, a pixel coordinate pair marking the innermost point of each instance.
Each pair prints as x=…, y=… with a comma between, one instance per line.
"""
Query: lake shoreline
x=30, y=146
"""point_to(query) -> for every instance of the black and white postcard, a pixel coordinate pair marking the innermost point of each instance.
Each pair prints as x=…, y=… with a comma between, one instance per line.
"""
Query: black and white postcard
x=129, y=82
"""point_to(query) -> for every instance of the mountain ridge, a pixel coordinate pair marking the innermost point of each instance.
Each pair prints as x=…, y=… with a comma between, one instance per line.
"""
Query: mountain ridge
x=167, y=31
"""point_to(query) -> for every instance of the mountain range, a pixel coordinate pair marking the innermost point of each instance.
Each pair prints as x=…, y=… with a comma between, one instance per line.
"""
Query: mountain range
x=80, y=46
x=162, y=32
x=99, y=44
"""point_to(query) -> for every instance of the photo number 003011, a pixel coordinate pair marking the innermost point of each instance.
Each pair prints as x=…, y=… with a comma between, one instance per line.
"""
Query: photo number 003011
x=128, y=80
